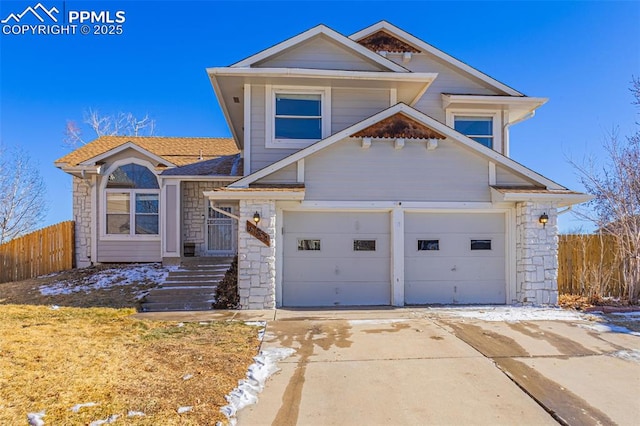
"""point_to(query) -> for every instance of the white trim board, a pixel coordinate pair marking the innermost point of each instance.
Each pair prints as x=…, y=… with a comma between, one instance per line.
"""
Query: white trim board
x=124, y=146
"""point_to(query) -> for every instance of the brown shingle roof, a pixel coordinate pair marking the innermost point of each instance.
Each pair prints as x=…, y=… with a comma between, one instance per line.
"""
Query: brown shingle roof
x=179, y=151
x=383, y=41
x=228, y=165
x=399, y=126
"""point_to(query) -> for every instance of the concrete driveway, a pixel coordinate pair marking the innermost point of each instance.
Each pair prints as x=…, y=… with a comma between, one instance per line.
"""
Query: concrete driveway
x=431, y=366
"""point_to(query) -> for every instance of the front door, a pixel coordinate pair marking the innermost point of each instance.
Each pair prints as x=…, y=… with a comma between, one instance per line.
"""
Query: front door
x=220, y=232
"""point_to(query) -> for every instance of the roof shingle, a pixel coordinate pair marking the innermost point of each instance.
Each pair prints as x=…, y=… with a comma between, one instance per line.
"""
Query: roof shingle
x=177, y=150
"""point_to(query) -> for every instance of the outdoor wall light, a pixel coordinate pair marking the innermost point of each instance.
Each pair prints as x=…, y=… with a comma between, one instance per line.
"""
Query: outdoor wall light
x=544, y=218
x=256, y=217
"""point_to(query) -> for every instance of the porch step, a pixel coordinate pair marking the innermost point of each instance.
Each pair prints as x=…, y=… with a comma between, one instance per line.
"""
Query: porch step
x=190, y=288
x=173, y=306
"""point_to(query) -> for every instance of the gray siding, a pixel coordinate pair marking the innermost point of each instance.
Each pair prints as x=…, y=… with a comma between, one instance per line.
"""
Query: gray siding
x=346, y=171
x=129, y=251
x=288, y=174
x=320, y=53
x=449, y=80
x=261, y=156
x=506, y=177
x=350, y=106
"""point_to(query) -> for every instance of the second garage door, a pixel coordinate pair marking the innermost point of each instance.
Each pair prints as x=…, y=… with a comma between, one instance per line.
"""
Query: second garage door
x=455, y=258
x=336, y=259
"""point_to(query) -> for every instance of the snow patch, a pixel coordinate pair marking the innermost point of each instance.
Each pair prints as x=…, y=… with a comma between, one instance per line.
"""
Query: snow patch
x=76, y=408
x=187, y=377
x=124, y=276
x=628, y=355
x=35, y=419
x=512, y=313
x=608, y=328
x=261, y=324
x=628, y=316
x=135, y=414
x=248, y=389
x=186, y=409
x=111, y=419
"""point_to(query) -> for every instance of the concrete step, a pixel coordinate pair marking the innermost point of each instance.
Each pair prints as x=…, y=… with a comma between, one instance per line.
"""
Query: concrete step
x=189, y=283
x=180, y=306
x=195, y=278
x=183, y=290
x=205, y=261
x=179, y=298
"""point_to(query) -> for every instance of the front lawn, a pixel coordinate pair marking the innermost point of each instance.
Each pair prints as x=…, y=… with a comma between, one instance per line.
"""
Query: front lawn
x=82, y=365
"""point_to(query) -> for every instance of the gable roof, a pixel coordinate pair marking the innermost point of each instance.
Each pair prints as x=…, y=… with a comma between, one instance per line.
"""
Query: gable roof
x=227, y=165
x=382, y=41
x=427, y=48
x=172, y=150
x=418, y=116
x=316, y=31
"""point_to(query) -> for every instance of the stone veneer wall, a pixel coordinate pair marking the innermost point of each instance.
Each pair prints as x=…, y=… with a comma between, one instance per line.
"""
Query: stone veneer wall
x=257, y=262
x=536, y=254
x=193, y=213
x=82, y=218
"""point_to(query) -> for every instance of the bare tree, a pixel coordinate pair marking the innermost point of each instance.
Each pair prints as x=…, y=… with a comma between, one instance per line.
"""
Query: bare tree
x=616, y=207
x=121, y=124
x=22, y=201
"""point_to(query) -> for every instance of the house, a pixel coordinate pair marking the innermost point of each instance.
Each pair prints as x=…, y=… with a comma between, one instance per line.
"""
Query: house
x=370, y=169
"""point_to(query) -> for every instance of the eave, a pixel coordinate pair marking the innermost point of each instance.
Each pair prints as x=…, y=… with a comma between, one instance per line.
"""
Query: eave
x=519, y=108
x=288, y=194
x=518, y=194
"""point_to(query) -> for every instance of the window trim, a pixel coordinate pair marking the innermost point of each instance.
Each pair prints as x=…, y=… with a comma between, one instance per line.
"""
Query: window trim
x=131, y=236
x=495, y=115
x=270, y=116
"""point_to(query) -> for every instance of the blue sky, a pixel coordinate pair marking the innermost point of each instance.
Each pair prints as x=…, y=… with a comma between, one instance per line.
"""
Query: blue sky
x=580, y=54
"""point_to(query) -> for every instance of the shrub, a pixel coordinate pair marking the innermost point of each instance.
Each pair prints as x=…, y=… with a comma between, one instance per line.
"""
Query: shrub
x=227, y=292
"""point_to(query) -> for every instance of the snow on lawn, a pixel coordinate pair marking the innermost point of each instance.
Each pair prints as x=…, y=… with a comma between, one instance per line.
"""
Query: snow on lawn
x=511, y=313
x=122, y=276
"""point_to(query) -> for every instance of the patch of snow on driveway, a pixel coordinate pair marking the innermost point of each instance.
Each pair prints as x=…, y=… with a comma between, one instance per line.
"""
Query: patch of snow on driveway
x=629, y=355
x=123, y=276
x=511, y=313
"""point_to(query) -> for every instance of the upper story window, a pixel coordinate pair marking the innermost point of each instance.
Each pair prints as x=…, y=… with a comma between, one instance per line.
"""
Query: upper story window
x=132, y=201
x=297, y=117
x=477, y=128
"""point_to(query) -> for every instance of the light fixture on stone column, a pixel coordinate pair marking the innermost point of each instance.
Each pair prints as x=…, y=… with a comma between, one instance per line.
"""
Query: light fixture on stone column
x=544, y=218
x=256, y=218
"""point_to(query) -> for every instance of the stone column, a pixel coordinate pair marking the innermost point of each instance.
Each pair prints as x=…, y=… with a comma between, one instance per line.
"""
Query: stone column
x=256, y=261
x=536, y=254
x=82, y=218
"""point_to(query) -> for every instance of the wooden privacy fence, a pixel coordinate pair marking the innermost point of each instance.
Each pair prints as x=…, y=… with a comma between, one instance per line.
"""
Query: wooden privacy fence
x=588, y=265
x=41, y=252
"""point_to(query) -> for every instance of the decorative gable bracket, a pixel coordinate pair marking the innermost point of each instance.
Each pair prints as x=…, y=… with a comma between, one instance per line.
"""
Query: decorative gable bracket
x=399, y=127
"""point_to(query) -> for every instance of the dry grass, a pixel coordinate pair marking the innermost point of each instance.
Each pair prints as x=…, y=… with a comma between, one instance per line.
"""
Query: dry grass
x=27, y=291
x=54, y=359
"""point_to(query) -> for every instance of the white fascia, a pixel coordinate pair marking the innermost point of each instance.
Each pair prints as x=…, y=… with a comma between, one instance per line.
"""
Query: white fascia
x=560, y=197
x=426, y=77
x=254, y=195
x=329, y=33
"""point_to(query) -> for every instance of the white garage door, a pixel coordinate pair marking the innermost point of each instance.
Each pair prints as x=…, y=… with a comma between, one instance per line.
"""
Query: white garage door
x=454, y=258
x=336, y=259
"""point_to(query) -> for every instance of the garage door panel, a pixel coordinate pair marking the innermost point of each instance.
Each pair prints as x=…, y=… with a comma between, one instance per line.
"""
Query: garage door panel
x=338, y=269
x=332, y=243
x=338, y=223
x=449, y=268
x=455, y=222
x=332, y=294
x=454, y=244
x=453, y=292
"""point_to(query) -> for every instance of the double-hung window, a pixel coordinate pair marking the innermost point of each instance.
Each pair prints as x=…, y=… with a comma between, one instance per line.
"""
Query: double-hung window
x=132, y=201
x=297, y=117
x=478, y=128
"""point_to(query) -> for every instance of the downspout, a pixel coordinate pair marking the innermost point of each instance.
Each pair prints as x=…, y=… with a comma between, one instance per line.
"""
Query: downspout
x=566, y=210
x=505, y=129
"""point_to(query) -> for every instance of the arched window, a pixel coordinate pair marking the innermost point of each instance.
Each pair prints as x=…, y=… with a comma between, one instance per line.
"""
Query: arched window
x=132, y=194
